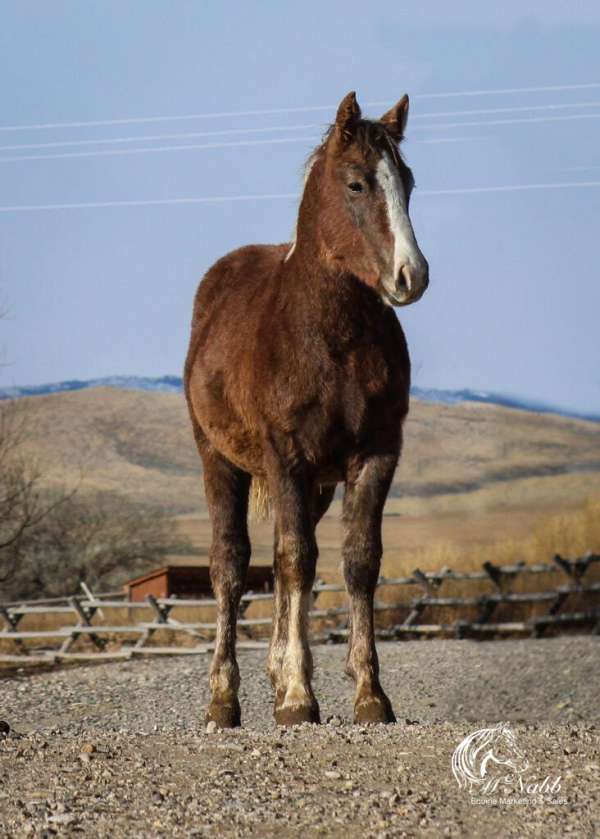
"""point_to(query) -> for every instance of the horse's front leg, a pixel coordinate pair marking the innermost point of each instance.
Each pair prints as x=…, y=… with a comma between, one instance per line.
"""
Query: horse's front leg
x=290, y=661
x=227, y=494
x=322, y=497
x=366, y=491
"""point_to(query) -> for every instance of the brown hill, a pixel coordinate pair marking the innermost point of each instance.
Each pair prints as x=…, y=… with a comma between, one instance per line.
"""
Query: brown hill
x=470, y=474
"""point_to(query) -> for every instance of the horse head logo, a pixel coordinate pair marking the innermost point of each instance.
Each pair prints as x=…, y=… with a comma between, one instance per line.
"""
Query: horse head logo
x=487, y=754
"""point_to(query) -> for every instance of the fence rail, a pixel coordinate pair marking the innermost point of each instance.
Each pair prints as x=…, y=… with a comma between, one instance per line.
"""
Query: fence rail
x=85, y=607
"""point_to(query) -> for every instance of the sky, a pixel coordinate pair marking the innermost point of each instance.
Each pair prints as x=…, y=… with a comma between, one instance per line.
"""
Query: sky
x=113, y=111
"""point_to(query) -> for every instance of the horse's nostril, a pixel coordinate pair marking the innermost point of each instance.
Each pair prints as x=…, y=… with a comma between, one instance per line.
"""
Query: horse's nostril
x=413, y=279
x=406, y=280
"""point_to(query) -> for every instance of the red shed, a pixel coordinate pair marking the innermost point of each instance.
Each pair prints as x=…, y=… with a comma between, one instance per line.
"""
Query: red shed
x=189, y=578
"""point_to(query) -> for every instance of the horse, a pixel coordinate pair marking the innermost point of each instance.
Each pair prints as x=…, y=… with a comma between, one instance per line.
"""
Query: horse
x=297, y=378
x=486, y=755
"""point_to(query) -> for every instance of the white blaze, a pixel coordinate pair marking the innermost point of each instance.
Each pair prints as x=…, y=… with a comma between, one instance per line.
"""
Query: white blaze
x=406, y=250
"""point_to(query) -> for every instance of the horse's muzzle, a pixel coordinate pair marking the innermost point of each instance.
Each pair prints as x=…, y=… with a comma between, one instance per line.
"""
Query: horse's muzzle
x=411, y=284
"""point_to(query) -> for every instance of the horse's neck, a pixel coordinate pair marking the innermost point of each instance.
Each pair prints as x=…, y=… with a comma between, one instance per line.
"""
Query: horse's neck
x=325, y=293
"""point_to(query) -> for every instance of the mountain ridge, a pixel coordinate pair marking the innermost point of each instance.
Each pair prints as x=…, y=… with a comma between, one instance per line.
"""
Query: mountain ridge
x=174, y=384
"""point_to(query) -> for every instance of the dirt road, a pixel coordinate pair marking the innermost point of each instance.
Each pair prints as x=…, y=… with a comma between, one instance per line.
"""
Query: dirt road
x=119, y=750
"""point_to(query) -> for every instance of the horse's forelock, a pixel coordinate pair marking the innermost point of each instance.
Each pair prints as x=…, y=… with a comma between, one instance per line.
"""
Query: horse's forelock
x=371, y=137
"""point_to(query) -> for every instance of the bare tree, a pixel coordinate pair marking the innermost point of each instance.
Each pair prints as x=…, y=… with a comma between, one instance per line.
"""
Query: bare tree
x=50, y=542
x=19, y=498
x=21, y=505
x=98, y=538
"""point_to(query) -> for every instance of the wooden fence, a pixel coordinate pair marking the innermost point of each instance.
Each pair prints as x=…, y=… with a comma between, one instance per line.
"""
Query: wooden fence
x=473, y=617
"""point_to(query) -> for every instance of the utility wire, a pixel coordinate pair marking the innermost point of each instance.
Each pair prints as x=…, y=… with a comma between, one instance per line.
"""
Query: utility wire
x=223, y=199
x=283, y=140
x=276, y=128
x=297, y=110
x=195, y=147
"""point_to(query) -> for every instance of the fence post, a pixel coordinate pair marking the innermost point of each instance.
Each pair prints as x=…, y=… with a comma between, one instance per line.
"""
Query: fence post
x=85, y=616
x=487, y=606
x=565, y=566
x=496, y=575
x=417, y=607
x=555, y=607
x=161, y=613
x=12, y=622
x=426, y=584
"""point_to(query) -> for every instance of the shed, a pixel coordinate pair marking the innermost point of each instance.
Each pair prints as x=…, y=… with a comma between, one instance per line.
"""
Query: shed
x=190, y=578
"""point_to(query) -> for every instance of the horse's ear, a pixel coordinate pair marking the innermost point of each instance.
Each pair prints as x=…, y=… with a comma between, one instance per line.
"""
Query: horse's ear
x=396, y=118
x=348, y=114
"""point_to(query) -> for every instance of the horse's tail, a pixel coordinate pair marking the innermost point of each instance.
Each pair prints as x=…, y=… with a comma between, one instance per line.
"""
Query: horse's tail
x=259, y=506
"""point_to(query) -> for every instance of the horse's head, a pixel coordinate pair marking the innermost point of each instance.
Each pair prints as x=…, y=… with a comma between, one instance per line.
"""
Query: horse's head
x=357, y=192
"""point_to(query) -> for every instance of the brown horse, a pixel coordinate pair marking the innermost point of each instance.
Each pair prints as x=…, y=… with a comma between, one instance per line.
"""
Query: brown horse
x=297, y=378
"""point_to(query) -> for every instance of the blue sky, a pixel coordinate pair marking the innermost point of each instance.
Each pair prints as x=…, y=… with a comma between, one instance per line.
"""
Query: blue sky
x=91, y=291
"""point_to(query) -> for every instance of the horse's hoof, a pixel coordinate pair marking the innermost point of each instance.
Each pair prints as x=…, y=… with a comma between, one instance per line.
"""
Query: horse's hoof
x=377, y=709
x=225, y=716
x=297, y=714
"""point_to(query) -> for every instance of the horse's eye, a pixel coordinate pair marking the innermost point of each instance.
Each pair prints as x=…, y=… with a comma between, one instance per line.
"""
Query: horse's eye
x=355, y=186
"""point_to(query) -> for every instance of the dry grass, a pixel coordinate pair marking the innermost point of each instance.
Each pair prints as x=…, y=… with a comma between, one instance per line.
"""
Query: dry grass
x=476, y=482
x=571, y=534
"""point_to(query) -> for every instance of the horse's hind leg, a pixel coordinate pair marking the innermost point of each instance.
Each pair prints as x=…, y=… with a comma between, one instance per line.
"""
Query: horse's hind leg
x=227, y=490
x=363, y=508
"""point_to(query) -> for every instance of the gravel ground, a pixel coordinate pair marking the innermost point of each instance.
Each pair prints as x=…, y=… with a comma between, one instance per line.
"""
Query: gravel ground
x=120, y=750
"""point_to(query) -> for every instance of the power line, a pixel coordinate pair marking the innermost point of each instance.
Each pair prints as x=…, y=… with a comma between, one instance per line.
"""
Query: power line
x=152, y=137
x=297, y=110
x=563, y=118
x=155, y=149
x=506, y=91
x=223, y=199
x=481, y=111
x=196, y=146
x=276, y=128
x=281, y=140
x=510, y=188
x=218, y=199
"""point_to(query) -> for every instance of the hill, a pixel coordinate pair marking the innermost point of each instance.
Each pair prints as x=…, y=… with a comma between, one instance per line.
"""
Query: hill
x=471, y=473
x=173, y=384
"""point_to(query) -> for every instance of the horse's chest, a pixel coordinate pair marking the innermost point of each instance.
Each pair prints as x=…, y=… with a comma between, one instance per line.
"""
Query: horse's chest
x=338, y=394
x=361, y=391
x=368, y=385
x=368, y=372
